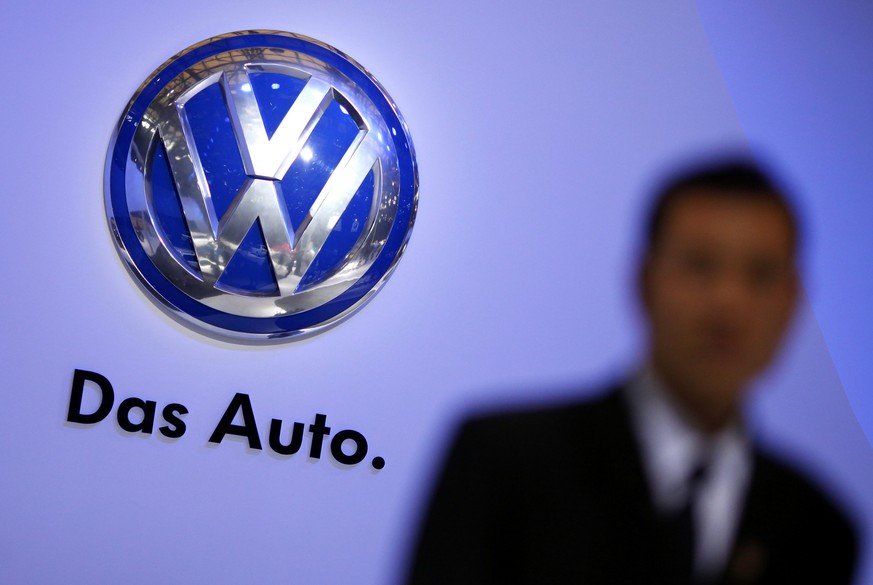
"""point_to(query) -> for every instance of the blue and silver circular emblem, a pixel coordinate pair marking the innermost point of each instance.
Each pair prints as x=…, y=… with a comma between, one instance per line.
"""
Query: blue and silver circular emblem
x=261, y=185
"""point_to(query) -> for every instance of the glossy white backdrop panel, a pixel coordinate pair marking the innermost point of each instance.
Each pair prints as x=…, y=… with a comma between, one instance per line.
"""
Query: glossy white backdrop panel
x=539, y=127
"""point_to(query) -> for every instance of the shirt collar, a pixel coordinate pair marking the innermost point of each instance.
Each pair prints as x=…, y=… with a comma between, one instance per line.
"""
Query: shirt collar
x=671, y=446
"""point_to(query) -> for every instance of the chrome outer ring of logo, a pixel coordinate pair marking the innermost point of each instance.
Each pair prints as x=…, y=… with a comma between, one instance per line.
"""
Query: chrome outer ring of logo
x=261, y=185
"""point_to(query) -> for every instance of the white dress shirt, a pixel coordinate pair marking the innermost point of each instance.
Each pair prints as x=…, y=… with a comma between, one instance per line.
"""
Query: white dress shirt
x=671, y=447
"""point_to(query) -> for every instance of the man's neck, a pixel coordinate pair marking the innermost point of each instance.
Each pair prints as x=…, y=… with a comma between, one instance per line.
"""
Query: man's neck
x=709, y=411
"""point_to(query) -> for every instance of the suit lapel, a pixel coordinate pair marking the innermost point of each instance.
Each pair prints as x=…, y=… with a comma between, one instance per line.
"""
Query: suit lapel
x=627, y=488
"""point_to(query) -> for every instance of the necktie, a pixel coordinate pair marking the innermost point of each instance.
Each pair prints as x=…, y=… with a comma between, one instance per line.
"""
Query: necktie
x=680, y=527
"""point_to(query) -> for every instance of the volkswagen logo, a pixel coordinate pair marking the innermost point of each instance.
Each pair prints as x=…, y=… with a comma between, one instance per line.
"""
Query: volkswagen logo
x=261, y=185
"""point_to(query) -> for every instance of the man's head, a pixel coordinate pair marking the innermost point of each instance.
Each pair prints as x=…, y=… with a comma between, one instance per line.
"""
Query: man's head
x=718, y=283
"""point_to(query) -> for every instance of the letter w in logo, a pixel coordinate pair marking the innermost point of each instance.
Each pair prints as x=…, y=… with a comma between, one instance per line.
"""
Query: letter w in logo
x=266, y=159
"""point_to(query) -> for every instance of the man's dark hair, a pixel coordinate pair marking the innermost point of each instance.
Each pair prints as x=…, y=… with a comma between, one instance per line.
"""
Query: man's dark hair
x=733, y=179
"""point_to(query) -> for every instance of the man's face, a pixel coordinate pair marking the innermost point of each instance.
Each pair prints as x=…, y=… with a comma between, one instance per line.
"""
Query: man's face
x=718, y=290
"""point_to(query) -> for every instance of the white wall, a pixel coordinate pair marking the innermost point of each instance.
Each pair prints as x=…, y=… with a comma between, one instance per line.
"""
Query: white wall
x=538, y=128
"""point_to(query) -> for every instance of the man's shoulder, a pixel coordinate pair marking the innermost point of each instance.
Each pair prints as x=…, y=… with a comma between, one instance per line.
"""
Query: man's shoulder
x=588, y=405
x=576, y=423
x=785, y=481
x=799, y=510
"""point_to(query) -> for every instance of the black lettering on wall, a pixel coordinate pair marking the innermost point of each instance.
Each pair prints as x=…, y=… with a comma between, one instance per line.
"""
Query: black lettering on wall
x=148, y=419
x=107, y=397
x=249, y=429
x=336, y=447
x=276, y=441
x=318, y=431
x=175, y=426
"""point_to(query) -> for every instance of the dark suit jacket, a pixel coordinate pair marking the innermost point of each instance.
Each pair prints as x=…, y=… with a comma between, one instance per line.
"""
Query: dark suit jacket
x=559, y=495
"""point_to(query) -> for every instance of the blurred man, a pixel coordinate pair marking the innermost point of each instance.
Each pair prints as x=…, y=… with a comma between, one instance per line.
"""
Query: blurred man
x=655, y=481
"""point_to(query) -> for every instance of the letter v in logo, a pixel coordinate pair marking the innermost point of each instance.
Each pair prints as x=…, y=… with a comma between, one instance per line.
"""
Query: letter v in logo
x=261, y=186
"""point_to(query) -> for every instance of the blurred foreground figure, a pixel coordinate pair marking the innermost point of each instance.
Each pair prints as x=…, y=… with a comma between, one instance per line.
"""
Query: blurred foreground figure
x=655, y=481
